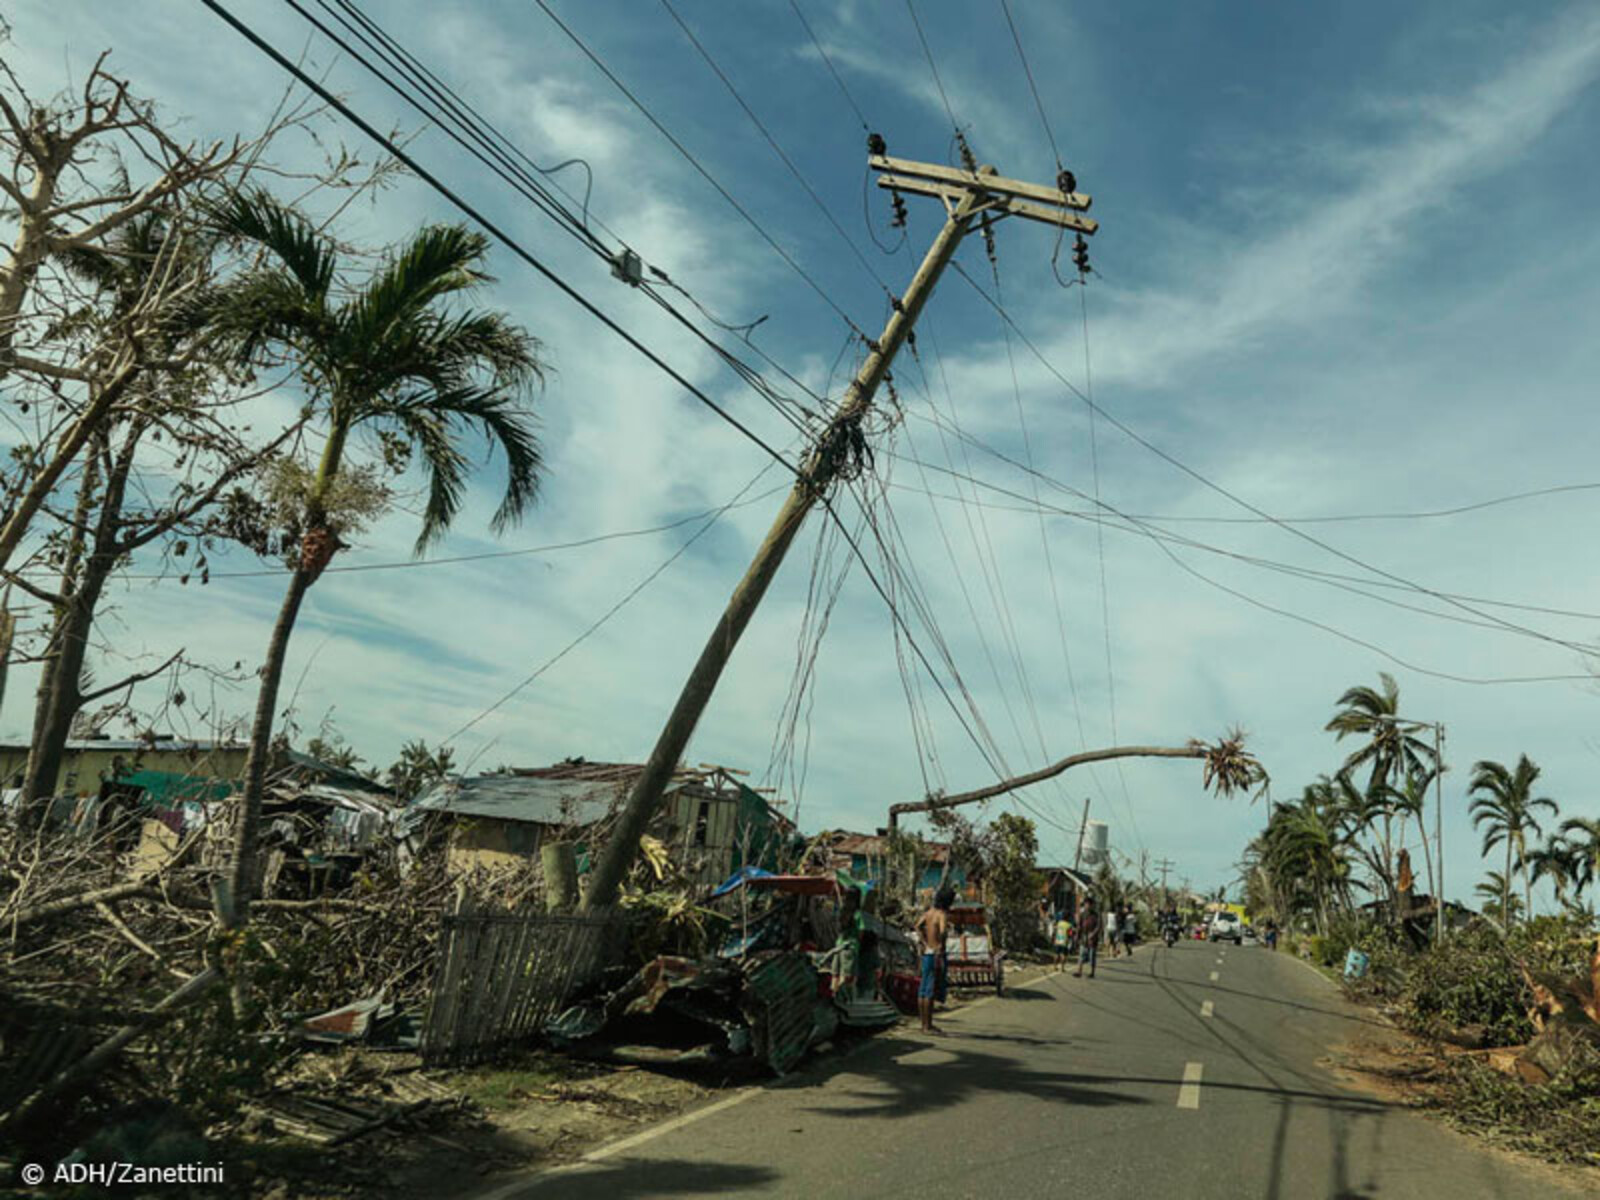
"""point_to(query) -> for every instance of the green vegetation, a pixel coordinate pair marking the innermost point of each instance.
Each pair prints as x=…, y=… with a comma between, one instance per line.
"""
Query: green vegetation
x=1510, y=979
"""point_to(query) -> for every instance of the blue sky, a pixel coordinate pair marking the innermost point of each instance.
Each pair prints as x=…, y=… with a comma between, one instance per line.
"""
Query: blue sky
x=1347, y=266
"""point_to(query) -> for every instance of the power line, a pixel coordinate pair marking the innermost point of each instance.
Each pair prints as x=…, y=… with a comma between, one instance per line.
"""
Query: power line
x=1426, y=514
x=993, y=579
x=457, y=559
x=613, y=610
x=1161, y=537
x=1032, y=86
x=1144, y=524
x=1423, y=514
x=1100, y=551
x=828, y=62
x=696, y=164
x=933, y=67
x=482, y=138
x=1049, y=565
x=776, y=149
x=505, y=239
x=1242, y=503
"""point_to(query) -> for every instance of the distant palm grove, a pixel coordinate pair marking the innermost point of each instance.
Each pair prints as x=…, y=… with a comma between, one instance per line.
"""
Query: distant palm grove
x=1342, y=846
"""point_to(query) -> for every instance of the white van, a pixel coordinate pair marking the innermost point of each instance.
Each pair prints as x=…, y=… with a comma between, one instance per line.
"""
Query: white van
x=1226, y=927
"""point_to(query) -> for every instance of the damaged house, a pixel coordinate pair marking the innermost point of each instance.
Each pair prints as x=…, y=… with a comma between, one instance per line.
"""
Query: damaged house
x=868, y=856
x=711, y=822
x=319, y=821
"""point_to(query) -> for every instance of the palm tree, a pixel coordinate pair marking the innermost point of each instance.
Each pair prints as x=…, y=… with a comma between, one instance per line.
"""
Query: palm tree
x=417, y=767
x=1375, y=715
x=1390, y=750
x=1304, y=853
x=1559, y=861
x=1499, y=901
x=384, y=356
x=1582, y=834
x=1505, y=807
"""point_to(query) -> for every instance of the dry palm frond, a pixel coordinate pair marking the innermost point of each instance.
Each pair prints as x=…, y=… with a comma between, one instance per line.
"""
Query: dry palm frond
x=656, y=855
x=1230, y=768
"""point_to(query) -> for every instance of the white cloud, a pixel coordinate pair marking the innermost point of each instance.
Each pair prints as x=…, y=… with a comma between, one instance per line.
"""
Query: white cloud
x=1275, y=358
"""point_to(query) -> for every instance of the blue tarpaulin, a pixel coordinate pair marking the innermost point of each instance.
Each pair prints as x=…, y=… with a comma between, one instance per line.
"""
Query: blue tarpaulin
x=739, y=878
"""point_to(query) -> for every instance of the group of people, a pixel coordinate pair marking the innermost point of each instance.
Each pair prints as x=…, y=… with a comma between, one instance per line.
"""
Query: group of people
x=1119, y=928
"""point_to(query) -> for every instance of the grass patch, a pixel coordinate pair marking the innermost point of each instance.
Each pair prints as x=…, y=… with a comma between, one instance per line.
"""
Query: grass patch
x=513, y=1084
x=497, y=1090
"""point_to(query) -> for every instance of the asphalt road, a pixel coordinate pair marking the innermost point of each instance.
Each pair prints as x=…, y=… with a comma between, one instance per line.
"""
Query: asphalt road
x=1190, y=1072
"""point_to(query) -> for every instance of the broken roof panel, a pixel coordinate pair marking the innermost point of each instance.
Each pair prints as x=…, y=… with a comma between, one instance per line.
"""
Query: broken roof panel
x=533, y=799
x=356, y=801
x=580, y=769
x=869, y=846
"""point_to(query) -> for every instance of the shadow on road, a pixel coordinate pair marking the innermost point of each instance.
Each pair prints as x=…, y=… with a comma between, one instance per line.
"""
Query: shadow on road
x=1025, y=993
x=950, y=1073
x=1354, y=1017
x=646, y=1177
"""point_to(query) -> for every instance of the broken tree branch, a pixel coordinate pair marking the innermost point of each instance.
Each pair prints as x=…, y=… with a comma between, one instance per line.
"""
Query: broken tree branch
x=98, y=1058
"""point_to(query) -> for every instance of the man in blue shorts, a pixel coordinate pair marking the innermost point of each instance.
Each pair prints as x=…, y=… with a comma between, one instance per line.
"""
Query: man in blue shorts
x=931, y=931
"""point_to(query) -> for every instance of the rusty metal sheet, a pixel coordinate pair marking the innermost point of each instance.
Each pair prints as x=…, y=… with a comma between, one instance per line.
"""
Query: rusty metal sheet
x=779, y=1001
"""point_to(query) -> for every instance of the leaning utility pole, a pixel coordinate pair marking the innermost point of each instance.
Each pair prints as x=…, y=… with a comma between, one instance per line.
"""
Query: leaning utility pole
x=968, y=196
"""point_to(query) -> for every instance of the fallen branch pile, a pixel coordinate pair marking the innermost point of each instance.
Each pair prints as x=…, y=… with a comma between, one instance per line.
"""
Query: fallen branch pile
x=111, y=986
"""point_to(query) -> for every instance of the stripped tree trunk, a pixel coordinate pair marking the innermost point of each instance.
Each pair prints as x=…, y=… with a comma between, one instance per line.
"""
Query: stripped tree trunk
x=247, y=823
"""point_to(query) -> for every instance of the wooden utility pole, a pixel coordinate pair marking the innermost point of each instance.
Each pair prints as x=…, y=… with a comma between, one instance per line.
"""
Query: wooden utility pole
x=1083, y=829
x=967, y=196
x=1438, y=832
x=1166, y=864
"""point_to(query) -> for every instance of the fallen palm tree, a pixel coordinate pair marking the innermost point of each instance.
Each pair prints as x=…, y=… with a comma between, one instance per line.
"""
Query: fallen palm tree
x=1229, y=769
x=1565, y=1014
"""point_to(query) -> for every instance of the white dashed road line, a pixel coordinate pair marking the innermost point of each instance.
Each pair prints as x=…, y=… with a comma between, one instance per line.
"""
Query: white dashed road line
x=1213, y=977
x=1207, y=1009
x=1189, y=1090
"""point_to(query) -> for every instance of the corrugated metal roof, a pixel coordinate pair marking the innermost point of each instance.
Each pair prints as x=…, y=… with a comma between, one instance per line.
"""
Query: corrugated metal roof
x=876, y=847
x=135, y=745
x=354, y=799
x=536, y=800
x=578, y=769
x=337, y=777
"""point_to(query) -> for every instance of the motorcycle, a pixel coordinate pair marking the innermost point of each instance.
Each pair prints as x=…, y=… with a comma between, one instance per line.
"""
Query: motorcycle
x=1169, y=935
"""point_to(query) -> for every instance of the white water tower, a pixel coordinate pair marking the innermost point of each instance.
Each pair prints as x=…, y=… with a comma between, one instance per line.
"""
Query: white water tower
x=1095, y=844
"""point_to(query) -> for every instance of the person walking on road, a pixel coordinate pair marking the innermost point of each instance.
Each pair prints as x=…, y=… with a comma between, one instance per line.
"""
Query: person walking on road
x=1112, y=942
x=1062, y=937
x=1129, y=928
x=1088, y=938
x=931, y=930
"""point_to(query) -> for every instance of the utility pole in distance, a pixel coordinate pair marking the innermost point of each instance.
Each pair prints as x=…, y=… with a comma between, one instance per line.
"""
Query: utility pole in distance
x=967, y=197
x=1166, y=864
x=1082, y=830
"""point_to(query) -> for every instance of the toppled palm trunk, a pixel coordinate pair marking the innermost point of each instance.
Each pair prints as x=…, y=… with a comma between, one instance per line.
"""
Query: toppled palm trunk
x=1566, y=1013
x=1229, y=768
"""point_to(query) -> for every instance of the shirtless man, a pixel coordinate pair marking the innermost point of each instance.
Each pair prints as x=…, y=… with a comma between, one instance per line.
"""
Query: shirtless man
x=931, y=930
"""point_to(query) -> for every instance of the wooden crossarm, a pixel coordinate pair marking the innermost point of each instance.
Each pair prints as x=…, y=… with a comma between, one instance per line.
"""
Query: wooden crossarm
x=989, y=183
x=1008, y=204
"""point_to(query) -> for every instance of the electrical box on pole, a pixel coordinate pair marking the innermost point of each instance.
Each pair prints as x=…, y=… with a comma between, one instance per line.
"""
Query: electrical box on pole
x=968, y=197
